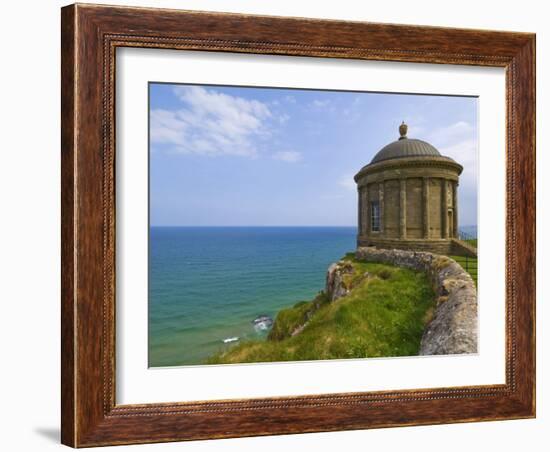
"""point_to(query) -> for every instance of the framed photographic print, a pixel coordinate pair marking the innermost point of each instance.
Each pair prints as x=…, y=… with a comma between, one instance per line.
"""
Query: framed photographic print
x=281, y=225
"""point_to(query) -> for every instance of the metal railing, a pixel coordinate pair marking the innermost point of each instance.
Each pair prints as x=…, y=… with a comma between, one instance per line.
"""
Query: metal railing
x=462, y=235
x=469, y=264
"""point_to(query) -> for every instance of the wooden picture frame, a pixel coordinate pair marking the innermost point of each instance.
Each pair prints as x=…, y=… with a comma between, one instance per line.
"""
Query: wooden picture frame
x=90, y=36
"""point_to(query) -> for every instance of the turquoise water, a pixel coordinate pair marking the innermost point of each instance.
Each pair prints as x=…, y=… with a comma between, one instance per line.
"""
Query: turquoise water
x=208, y=283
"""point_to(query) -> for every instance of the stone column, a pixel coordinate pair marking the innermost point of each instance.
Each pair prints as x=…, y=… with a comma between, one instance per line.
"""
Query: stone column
x=366, y=218
x=445, y=217
x=455, y=210
x=403, y=209
x=426, y=206
x=359, y=210
x=381, y=204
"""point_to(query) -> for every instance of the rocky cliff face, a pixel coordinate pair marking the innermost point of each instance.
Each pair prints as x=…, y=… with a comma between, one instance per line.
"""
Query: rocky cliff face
x=338, y=285
x=340, y=281
x=335, y=286
x=453, y=329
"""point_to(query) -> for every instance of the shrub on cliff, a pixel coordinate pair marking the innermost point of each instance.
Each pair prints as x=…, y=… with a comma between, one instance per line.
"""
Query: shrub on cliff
x=289, y=321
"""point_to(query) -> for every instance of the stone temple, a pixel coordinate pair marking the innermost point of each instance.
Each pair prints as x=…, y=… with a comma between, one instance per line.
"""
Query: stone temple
x=408, y=199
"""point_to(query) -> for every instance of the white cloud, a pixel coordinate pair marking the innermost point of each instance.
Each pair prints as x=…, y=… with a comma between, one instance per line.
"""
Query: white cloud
x=289, y=99
x=459, y=141
x=347, y=182
x=211, y=123
x=415, y=126
x=320, y=103
x=451, y=134
x=284, y=118
x=166, y=127
x=288, y=156
x=414, y=131
x=465, y=153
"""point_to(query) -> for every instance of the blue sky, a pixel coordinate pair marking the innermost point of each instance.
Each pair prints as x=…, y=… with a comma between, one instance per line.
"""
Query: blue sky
x=237, y=156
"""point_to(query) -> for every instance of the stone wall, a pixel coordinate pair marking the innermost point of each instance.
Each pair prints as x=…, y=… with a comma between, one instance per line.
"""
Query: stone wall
x=433, y=246
x=453, y=329
x=461, y=248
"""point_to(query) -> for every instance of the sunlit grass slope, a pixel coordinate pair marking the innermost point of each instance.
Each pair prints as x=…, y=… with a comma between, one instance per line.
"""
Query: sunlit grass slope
x=384, y=315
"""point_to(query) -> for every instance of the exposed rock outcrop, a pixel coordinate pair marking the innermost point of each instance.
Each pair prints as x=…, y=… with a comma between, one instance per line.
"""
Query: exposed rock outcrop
x=453, y=329
x=341, y=281
x=336, y=286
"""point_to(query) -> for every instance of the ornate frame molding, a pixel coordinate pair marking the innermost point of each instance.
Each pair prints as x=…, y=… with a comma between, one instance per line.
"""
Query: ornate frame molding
x=90, y=37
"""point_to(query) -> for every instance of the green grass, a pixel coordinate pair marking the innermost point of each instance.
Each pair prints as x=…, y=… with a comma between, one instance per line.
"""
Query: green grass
x=469, y=264
x=288, y=320
x=472, y=242
x=384, y=315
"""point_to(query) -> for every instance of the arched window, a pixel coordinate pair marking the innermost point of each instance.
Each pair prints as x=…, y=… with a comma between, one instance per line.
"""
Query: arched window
x=375, y=216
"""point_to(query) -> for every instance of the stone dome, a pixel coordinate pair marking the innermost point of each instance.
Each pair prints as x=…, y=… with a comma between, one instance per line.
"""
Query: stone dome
x=405, y=147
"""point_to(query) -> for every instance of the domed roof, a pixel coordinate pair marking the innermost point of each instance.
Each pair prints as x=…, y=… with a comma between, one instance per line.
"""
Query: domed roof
x=405, y=147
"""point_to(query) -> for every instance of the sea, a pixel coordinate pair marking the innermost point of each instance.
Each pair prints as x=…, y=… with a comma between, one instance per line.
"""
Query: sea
x=208, y=284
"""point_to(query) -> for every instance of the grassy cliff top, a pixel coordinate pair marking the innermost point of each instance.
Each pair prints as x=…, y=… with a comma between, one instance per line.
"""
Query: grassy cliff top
x=384, y=315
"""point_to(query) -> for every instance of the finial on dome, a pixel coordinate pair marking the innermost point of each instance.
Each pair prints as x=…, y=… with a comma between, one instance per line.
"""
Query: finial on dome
x=403, y=131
